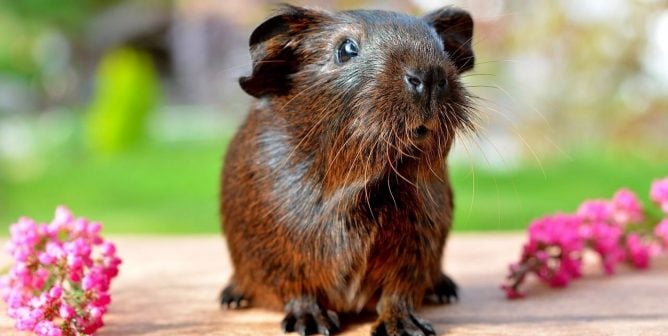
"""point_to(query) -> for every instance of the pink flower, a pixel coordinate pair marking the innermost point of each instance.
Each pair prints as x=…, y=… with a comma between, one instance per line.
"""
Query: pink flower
x=559, y=229
x=46, y=258
x=556, y=243
x=66, y=312
x=26, y=318
x=62, y=217
x=79, y=226
x=95, y=312
x=56, y=291
x=41, y=288
x=93, y=229
x=638, y=252
x=605, y=240
x=25, y=233
x=103, y=299
x=659, y=193
x=554, y=249
x=571, y=266
x=559, y=279
x=595, y=211
x=512, y=293
x=108, y=249
x=47, y=328
x=661, y=232
x=626, y=208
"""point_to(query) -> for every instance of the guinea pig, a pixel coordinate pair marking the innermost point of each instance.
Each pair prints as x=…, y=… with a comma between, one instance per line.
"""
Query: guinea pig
x=335, y=192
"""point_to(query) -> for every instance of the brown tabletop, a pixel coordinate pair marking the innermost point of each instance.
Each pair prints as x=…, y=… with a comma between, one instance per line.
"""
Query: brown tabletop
x=169, y=286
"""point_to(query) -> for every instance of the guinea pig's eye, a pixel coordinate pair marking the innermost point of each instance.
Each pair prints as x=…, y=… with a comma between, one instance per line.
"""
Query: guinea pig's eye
x=347, y=50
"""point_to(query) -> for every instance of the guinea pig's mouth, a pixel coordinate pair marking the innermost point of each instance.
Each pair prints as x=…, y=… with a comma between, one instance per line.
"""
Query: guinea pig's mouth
x=420, y=132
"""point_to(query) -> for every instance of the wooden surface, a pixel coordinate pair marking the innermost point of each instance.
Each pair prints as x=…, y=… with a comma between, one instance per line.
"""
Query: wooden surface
x=169, y=286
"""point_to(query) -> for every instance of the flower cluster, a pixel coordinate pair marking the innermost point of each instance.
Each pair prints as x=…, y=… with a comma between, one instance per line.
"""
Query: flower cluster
x=659, y=193
x=59, y=283
x=615, y=229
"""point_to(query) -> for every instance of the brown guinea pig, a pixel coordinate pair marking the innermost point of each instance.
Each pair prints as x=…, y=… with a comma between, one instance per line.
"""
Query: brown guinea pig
x=335, y=193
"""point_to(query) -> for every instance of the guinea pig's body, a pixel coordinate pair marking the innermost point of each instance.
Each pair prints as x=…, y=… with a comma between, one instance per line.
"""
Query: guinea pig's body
x=335, y=194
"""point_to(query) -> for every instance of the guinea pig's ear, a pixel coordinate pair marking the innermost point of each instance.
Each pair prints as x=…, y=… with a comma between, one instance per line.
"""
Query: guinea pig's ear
x=273, y=47
x=455, y=26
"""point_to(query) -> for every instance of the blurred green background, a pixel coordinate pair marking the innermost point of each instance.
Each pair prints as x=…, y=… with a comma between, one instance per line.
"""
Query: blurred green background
x=122, y=109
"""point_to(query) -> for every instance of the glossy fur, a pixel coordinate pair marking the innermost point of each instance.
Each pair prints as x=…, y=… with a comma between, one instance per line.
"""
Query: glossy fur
x=335, y=193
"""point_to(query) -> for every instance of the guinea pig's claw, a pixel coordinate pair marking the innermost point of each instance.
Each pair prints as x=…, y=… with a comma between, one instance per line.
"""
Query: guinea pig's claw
x=309, y=319
x=231, y=298
x=404, y=325
x=444, y=291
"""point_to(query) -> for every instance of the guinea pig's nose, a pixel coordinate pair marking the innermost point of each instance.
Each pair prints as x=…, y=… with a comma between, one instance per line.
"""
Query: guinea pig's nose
x=416, y=81
x=422, y=82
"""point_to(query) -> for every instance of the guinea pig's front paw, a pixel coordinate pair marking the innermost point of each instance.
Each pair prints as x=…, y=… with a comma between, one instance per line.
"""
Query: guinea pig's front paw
x=402, y=324
x=444, y=291
x=232, y=298
x=307, y=317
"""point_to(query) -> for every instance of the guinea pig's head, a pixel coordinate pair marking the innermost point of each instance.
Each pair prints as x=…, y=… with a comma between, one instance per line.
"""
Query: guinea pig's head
x=381, y=83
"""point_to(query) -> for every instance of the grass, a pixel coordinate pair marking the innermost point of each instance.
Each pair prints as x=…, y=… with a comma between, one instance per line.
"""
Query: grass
x=173, y=189
x=152, y=189
x=510, y=200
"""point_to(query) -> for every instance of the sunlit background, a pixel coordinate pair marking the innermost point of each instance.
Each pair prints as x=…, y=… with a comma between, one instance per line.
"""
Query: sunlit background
x=122, y=109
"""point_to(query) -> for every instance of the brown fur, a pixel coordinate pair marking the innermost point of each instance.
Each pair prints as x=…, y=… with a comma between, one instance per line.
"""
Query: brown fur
x=330, y=202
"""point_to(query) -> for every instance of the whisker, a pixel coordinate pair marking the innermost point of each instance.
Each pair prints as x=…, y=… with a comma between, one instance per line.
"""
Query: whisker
x=389, y=187
x=401, y=176
x=524, y=141
x=472, y=171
